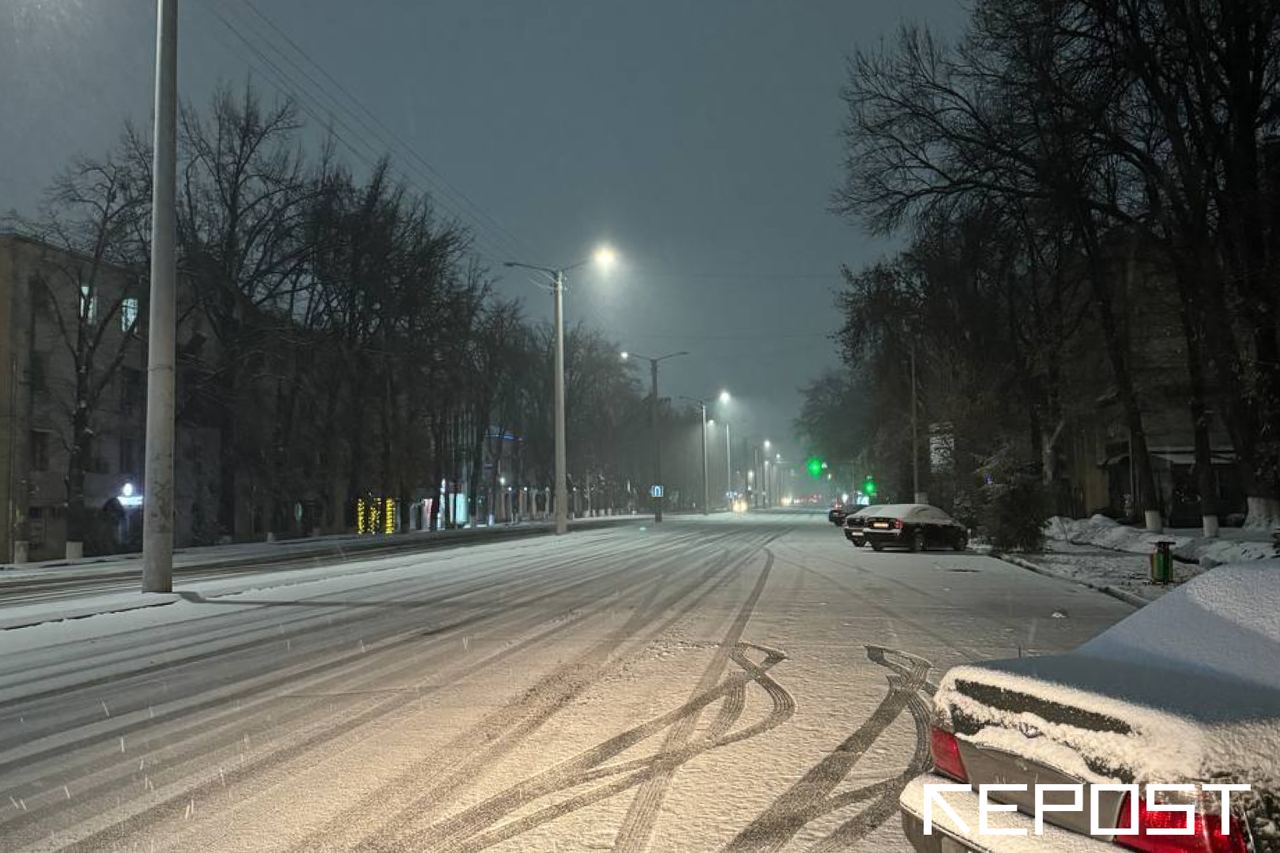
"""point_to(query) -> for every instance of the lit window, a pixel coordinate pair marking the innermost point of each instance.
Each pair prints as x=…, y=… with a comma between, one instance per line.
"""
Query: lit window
x=88, y=304
x=128, y=313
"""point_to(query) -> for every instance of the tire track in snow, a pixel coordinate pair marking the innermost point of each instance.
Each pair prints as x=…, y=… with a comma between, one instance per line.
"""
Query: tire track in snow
x=481, y=826
x=504, y=730
x=637, y=825
x=557, y=587
x=812, y=796
x=234, y=722
x=275, y=677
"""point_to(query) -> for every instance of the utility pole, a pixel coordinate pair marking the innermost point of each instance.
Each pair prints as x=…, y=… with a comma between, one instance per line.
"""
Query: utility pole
x=728, y=465
x=918, y=496
x=604, y=257
x=653, y=421
x=706, y=478
x=157, y=524
x=562, y=457
x=657, y=442
x=706, y=485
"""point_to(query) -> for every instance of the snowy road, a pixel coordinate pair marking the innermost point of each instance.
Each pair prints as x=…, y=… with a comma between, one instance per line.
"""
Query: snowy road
x=748, y=683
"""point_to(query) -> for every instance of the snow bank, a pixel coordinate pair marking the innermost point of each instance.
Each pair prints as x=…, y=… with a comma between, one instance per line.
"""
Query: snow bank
x=1233, y=546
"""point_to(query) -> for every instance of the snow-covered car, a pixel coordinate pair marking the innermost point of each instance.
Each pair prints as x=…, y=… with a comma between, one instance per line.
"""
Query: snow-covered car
x=1184, y=692
x=914, y=527
x=836, y=514
x=853, y=524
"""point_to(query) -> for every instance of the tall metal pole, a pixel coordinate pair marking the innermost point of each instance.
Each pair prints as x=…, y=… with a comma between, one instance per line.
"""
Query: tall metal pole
x=562, y=488
x=915, y=450
x=157, y=524
x=728, y=466
x=657, y=441
x=706, y=485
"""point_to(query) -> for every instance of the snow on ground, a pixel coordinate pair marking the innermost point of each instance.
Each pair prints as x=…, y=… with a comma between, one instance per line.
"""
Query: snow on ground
x=1232, y=545
x=1115, y=558
x=749, y=683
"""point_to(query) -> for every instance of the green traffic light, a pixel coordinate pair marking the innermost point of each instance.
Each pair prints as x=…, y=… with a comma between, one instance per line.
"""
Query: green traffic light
x=814, y=466
x=869, y=487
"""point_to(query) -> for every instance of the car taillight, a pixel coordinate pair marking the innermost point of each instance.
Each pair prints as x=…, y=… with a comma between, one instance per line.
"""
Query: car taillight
x=1207, y=837
x=946, y=754
x=897, y=524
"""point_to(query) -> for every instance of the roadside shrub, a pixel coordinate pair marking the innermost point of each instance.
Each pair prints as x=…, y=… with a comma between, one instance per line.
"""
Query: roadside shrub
x=1014, y=504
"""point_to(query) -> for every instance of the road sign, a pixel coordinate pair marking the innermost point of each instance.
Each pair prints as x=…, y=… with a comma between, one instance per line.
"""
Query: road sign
x=655, y=491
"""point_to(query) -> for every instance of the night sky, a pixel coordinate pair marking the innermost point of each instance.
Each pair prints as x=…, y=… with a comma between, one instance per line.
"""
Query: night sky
x=700, y=139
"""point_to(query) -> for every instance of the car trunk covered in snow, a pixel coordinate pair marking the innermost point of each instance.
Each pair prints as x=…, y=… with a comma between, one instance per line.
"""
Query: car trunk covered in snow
x=1185, y=690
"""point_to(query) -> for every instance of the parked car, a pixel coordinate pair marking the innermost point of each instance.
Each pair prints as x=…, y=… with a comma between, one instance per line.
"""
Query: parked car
x=914, y=527
x=836, y=514
x=854, y=521
x=1186, y=691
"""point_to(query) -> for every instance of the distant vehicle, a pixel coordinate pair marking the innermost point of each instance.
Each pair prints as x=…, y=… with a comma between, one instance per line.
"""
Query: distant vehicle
x=836, y=514
x=915, y=527
x=854, y=521
x=1186, y=691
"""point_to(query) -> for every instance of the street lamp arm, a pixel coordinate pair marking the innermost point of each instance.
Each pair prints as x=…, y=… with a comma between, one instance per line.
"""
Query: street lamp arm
x=545, y=270
x=655, y=359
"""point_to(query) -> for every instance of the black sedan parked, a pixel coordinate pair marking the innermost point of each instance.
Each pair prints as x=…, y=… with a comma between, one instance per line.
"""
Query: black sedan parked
x=914, y=527
x=854, y=522
x=836, y=514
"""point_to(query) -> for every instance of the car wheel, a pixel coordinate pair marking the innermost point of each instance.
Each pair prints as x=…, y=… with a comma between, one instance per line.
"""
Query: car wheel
x=917, y=539
x=876, y=546
x=857, y=543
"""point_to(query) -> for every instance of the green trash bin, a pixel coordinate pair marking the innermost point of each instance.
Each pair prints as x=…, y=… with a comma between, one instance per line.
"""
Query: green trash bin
x=1162, y=563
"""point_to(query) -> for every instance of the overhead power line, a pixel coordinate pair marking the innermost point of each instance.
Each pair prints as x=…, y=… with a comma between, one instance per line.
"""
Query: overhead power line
x=442, y=183
x=346, y=127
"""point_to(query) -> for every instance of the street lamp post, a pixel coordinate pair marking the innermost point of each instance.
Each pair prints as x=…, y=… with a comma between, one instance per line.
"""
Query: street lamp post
x=706, y=480
x=157, y=513
x=604, y=257
x=728, y=455
x=728, y=464
x=764, y=474
x=653, y=421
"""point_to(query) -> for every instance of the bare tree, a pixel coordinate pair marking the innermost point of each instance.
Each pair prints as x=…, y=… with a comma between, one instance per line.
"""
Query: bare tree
x=89, y=284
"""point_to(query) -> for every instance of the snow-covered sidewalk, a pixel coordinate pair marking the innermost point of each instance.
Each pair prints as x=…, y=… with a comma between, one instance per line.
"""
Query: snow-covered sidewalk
x=1114, y=558
x=1232, y=545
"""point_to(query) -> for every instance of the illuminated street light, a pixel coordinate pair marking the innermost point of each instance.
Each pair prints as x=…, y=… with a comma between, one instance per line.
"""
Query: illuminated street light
x=654, y=361
x=604, y=257
x=706, y=422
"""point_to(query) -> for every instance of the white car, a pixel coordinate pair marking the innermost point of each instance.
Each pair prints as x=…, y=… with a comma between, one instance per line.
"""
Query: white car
x=1186, y=691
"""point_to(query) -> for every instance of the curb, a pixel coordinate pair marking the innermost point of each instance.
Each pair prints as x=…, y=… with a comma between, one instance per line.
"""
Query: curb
x=295, y=550
x=82, y=613
x=1115, y=592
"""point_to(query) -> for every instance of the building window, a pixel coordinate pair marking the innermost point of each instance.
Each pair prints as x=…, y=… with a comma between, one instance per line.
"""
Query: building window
x=39, y=450
x=35, y=525
x=130, y=457
x=88, y=304
x=128, y=313
x=131, y=389
x=94, y=461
